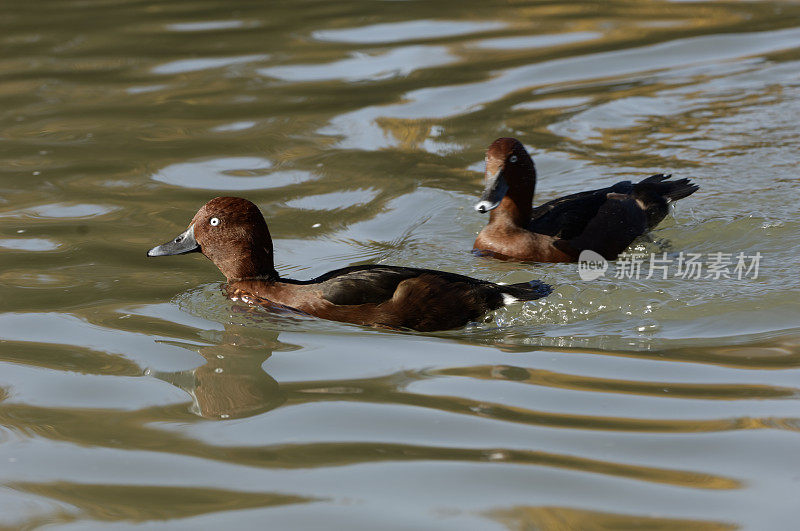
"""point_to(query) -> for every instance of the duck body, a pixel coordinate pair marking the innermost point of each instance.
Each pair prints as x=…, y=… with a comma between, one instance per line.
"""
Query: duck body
x=606, y=220
x=388, y=296
x=233, y=233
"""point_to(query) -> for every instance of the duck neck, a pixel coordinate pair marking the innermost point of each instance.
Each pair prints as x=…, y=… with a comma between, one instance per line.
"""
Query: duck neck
x=250, y=262
x=515, y=208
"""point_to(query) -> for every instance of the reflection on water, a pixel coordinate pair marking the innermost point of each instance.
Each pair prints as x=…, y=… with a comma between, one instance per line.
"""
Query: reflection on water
x=565, y=518
x=399, y=62
x=231, y=383
x=133, y=392
x=405, y=31
x=229, y=173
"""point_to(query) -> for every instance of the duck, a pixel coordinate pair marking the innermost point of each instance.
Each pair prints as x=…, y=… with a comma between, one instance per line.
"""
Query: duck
x=605, y=221
x=233, y=234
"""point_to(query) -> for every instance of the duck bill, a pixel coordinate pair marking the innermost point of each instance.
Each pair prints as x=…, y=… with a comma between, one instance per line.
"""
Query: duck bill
x=495, y=191
x=183, y=243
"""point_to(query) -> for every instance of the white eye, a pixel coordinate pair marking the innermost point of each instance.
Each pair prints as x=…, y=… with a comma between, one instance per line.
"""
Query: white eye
x=214, y=222
x=512, y=158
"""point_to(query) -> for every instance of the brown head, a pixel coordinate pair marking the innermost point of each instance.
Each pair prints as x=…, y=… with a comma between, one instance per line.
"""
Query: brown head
x=510, y=180
x=232, y=233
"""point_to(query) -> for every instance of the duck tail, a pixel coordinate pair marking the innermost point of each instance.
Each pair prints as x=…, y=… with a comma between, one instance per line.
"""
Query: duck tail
x=669, y=190
x=526, y=291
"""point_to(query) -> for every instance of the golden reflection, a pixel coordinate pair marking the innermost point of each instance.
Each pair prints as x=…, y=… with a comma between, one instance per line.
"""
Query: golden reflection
x=568, y=519
x=778, y=351
x=638, y=27
x=67, y=358
x=782, y=352
x=130, y=430
x=385, y=390
x=140, y=503
x=407, y=134
x=145, y=430
x=699, y=391
x=231, y=384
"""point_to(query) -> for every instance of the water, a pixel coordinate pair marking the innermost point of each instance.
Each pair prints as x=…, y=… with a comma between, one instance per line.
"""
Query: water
x=133, y=394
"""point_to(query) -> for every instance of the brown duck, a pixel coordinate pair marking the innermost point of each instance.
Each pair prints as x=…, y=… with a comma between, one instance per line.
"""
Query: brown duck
x=605, y=221
x=232, y=233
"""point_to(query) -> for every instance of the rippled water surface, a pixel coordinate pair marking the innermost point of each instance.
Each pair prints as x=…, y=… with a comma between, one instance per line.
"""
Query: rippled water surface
x=132, y=393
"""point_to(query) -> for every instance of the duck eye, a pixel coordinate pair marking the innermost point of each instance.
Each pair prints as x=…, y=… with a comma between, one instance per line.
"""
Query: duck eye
x=512, y=158
x=214, y=222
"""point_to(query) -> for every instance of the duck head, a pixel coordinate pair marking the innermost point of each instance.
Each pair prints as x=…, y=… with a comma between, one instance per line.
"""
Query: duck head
x=510, y=179
x=232, y=233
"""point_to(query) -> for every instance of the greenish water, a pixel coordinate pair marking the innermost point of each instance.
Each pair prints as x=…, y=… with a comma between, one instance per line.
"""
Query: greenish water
x=132, y=394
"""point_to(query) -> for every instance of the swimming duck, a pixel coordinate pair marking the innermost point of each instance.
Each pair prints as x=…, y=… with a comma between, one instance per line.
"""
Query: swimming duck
x=605, y=221
x=231, y=231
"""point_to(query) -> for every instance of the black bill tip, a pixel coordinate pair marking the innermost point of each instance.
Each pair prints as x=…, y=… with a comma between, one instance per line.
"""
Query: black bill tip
x=183, y=243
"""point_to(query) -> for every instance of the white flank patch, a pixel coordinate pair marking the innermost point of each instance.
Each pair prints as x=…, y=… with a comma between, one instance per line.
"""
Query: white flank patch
x=509, y=299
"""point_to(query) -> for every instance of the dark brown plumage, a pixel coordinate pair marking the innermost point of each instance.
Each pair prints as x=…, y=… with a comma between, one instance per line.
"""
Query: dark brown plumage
x=605, y=221
x=232, y=232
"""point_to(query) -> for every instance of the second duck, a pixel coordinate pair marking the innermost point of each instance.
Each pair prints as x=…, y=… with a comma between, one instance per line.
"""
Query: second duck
x=605, y=221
